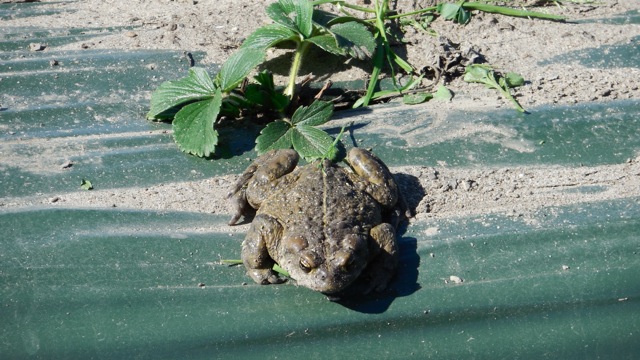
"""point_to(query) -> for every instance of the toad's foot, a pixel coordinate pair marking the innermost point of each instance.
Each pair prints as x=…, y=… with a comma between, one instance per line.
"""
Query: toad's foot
x=382, y=268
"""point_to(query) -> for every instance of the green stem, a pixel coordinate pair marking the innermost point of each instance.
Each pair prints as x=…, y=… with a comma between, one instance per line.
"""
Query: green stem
x=275, y=268
x=344, y=4
x=507, y=94
x=416, y=12
x=378, y=63
x=505, y=91
x=301, y=50
x=502, y=10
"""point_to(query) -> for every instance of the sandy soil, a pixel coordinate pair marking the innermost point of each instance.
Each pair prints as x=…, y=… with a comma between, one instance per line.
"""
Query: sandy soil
x=510, y=44
x=507, y=43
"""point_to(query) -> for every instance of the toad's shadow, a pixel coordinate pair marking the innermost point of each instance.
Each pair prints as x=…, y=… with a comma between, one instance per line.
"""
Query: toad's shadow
x=404, y=283
x=406, y=280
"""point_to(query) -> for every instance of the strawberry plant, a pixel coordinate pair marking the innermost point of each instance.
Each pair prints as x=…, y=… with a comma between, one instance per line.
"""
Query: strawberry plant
x=196, y=103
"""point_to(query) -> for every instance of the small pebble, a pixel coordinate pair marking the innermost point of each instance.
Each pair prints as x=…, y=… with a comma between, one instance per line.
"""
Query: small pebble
x=37, y=46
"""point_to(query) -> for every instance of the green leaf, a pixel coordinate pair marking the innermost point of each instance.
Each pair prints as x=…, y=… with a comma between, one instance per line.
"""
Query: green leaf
x=279, y=12
x=477, y=73
x=265, y=78
x=502, y=83
x=193, y=126
x=238, y=66
x=197, y=85
x=327, y=43
x=276, y=135
x=324, y=18
x=304, y=14
x=454, y=12
x=312, y=143
x=279, y=101
x=86, y=185
x=399, y=61
x=463, y=16
x=514, y=79
x=448, y=11
x=318, y=113
x=231, y=106
x=288, y=6
x=418, y=98
x=255, y=95
x=355, y=39
x=268, y=36
x=484, y=74
x=264, y=94
x=443, y=93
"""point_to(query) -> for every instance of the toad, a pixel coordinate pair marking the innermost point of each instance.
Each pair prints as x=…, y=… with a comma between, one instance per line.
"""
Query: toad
x=324, y=224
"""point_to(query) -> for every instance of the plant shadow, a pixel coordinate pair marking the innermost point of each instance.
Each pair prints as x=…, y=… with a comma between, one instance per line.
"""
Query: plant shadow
x=238, y=139
x=317, y=63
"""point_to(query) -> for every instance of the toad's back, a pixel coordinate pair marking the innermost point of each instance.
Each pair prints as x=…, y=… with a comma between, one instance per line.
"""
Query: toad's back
x=314, y=200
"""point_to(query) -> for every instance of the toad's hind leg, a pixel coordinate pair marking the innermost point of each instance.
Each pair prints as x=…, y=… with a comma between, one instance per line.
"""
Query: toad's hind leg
x=262, y=235
x=252, y=186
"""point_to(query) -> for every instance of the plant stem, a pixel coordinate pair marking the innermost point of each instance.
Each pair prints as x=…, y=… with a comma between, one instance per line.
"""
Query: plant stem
x=301, y=50
x=507, y=94
x=416, y=12
x=344, y=4
x=504, y=90
x=378, y=63
x=502, y=10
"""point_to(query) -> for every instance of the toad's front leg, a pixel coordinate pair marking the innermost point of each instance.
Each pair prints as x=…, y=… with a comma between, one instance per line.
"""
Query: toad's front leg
x=262, y=236
x=375, y=176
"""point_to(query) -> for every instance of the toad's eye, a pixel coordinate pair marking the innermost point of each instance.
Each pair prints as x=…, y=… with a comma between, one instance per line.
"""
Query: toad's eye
x=307, y=262
x=304, y=265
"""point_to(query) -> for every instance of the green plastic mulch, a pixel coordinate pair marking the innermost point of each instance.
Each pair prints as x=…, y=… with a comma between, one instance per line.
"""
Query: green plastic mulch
x=118, y=283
